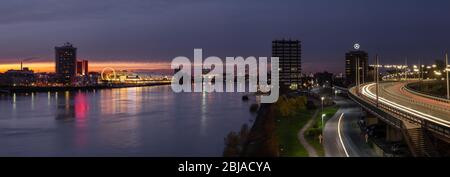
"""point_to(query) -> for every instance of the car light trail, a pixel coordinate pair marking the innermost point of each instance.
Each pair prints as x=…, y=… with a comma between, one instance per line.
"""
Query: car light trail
x=368, y=93
x=340, y=136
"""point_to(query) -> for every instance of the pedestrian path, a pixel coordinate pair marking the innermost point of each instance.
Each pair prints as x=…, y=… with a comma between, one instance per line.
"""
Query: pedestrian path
x=301, y=136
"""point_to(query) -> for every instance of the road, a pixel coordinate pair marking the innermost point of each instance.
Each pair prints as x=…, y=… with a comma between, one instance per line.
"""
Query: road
x=391, y=93
x=342, y=136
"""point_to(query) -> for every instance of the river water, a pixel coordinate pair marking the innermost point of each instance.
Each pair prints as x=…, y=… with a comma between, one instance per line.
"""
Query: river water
x=141, y=121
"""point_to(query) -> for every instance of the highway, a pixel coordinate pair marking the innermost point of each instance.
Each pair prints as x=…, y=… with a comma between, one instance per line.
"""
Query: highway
x=342, y=136
x=393, y=94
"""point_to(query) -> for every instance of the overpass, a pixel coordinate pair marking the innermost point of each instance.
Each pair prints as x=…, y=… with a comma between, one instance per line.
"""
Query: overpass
x=422, y=120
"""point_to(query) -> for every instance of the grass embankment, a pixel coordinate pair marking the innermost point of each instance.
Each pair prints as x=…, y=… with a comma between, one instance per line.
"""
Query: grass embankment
x=291, y=116
x=434, y=88
x=312, y=134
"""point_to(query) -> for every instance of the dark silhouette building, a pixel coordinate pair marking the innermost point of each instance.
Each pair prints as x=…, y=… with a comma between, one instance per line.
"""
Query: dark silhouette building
x=23, y=77
x=351, y=59
x=289, y=54
x=66, y=60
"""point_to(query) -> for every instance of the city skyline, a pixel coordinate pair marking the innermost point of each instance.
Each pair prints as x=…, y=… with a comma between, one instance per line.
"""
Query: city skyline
x=152, y=32
x=47, y=65
x=95, y=66
x=252, y=81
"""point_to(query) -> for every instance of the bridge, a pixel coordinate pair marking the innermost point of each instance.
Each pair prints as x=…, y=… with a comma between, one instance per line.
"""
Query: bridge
x=423, y=120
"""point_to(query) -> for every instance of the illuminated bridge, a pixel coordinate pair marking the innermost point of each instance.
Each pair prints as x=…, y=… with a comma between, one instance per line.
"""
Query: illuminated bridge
x=424, y=121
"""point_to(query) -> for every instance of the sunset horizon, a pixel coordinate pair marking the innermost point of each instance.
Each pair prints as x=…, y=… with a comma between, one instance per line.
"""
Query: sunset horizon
x=95, y=66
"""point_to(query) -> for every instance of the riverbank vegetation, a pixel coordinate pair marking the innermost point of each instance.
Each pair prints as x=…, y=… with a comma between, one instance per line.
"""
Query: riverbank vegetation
x=291, y=115
x=234, y=142
x=275, y=131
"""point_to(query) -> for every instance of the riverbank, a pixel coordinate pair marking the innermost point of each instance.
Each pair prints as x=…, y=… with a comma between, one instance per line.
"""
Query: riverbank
x=28, y=89
x=274, y=133
x=261, y=139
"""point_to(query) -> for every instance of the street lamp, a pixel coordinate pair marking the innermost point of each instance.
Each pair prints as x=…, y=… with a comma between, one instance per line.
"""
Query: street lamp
x=322, y=98
x=446, y=74
x=323, y=116
x=377, y=75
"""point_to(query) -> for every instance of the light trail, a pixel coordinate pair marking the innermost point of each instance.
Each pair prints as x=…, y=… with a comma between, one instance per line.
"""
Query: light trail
x=340, y=136
x=366, y=91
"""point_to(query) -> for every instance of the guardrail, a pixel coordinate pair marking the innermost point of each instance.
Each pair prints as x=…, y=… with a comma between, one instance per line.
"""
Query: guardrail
x=395, y=116
x=375, y=111
x=406, y=88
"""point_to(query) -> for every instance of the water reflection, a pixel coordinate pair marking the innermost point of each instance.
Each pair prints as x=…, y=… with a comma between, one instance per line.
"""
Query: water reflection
x=204, y=109
x=146, y=121
x=81, y=106
x=32, y=100
x=64, y=109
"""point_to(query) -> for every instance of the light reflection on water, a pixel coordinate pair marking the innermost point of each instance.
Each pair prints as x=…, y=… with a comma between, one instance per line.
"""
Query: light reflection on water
x=142, y=121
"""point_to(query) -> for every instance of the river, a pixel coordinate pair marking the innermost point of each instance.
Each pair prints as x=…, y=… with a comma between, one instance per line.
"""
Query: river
x=141, y=121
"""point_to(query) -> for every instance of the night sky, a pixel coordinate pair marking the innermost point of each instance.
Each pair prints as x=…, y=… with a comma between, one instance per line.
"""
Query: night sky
x=159, y=30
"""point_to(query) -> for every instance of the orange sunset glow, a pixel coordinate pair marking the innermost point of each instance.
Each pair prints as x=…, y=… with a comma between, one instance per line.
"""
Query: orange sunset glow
x=47, y=66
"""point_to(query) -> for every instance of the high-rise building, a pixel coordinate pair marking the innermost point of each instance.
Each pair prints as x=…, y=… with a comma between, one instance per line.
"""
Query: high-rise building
x=66, y=59
x=351, y=60
x=79, y=68
x=289, y=54
x=82, y=68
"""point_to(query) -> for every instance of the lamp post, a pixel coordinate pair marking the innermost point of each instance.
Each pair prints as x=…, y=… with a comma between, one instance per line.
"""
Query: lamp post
x=406, y=68
x=357, y=74
x=446, y=73
x=421, y=72
x=322, y=98
x=323, y=116
x=377, y=74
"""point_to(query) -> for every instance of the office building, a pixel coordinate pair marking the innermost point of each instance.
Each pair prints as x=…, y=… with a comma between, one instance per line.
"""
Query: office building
x=289, y=54
x=65, y=60
x=351, y=60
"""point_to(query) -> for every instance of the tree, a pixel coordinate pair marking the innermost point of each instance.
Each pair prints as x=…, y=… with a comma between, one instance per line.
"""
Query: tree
x=232, y=147
x=243, y=134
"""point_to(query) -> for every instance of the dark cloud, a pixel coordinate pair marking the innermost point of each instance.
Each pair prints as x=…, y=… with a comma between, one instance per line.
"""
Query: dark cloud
x=162, y=29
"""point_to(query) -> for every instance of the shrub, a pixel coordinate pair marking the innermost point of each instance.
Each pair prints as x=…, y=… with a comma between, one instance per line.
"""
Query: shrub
x=289, y=106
